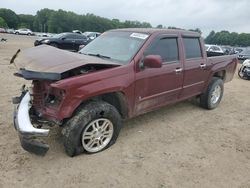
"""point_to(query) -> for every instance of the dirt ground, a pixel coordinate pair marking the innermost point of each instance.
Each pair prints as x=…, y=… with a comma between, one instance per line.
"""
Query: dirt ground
x=181, y=145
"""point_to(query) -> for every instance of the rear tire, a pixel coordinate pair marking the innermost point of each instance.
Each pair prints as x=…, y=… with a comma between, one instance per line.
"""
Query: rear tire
x=79, y=128
x=212, y=97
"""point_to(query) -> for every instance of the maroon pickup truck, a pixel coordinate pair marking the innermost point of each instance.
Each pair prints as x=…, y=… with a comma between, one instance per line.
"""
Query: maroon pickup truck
x=121, y=74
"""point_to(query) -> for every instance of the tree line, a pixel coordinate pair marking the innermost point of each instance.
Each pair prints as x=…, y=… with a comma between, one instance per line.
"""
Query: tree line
x=57, y=21
x=47, y=20
x=227, y=38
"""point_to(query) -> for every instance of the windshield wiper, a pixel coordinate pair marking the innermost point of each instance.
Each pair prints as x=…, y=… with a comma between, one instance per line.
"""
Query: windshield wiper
x=99, y=55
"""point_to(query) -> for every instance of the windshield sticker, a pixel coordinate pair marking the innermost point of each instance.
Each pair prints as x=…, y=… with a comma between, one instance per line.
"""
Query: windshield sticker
x=139, y=35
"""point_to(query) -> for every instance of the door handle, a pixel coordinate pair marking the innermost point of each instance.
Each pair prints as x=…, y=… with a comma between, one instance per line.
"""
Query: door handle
x=178, y=70
x=203, y=66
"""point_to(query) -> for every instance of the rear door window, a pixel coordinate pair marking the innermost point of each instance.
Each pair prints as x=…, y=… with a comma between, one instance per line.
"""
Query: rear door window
x=82, y=37
x=71, y=36
x=192, y=47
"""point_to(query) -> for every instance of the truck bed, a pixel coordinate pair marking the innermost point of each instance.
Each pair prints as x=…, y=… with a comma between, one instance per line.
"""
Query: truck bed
x=224, y=62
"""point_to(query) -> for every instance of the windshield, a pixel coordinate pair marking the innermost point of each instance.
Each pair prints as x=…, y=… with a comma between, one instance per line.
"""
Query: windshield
x=117, y=46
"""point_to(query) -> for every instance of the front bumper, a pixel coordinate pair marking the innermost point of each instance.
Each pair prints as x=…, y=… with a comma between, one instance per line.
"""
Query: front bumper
x=247, y=73
x=28, y=134
x=36, y=43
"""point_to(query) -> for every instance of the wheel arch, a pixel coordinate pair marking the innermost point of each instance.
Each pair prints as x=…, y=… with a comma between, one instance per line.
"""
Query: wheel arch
x=116, y=99
x=220, y=74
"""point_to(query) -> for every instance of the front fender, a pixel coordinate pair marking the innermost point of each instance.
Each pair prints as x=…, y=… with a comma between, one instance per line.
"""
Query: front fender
x=84, y=88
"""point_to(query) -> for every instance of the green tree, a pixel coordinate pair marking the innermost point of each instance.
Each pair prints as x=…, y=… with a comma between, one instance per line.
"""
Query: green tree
x=146, y=25
x=234, y=39
x=42, y=19
x=196, y=30
x=172, y=27
x=26, y=20
x=209, y=39
x=159, y=26
x=116, y=23
x=227, y=38
x=10, y=17
x=3, y=23
x=62, y=21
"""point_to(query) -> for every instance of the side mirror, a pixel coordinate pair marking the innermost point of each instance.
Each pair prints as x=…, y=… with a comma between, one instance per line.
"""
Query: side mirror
x=152, y=61
x=63, y=38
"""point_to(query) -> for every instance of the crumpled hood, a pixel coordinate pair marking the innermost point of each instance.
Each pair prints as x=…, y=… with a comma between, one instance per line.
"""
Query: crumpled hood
x=48, y=59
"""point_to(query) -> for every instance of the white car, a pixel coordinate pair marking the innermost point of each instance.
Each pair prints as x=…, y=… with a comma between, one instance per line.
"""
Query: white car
x=214, y=48
x=91, y=35
x=24, y=31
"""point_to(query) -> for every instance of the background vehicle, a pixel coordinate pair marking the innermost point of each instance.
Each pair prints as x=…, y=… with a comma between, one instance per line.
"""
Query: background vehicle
x=68, y=41
x=2, y=30
x=10, y=31
x=39, y=34
x=244, y=71
x=77, y=31
x=238, y=50
x=244, y=54
x=214, y=50
x=24, y=31
x=227, y=50
x=92, y=35
x=121, y=74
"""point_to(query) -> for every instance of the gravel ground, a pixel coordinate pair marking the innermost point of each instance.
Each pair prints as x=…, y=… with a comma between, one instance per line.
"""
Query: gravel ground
x=181, y=145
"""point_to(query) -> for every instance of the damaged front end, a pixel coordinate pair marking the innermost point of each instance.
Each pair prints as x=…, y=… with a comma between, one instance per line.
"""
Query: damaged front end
x=28, y=133
x=41, y=105
x=35, y=108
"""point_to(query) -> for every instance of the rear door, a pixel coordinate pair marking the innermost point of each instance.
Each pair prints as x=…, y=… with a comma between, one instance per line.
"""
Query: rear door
x=195, y=67
x=79, y=40
x=156, y=87
x=69, y=41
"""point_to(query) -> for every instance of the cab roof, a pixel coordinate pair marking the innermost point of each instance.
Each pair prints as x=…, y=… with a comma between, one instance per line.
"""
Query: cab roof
x=155, y=30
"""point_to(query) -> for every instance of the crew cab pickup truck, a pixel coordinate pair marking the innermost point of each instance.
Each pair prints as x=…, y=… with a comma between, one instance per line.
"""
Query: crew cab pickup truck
x=121, y=74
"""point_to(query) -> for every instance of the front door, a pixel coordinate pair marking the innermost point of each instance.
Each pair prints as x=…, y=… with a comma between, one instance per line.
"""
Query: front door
x=156, y=87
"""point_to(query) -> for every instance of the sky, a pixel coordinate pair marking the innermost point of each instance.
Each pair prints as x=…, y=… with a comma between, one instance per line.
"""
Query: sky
x=208, y=15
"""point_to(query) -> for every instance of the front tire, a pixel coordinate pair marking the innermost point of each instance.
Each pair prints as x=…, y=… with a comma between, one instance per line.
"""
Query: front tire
x=93, y=128
x=212, y=97
x=54, y=45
